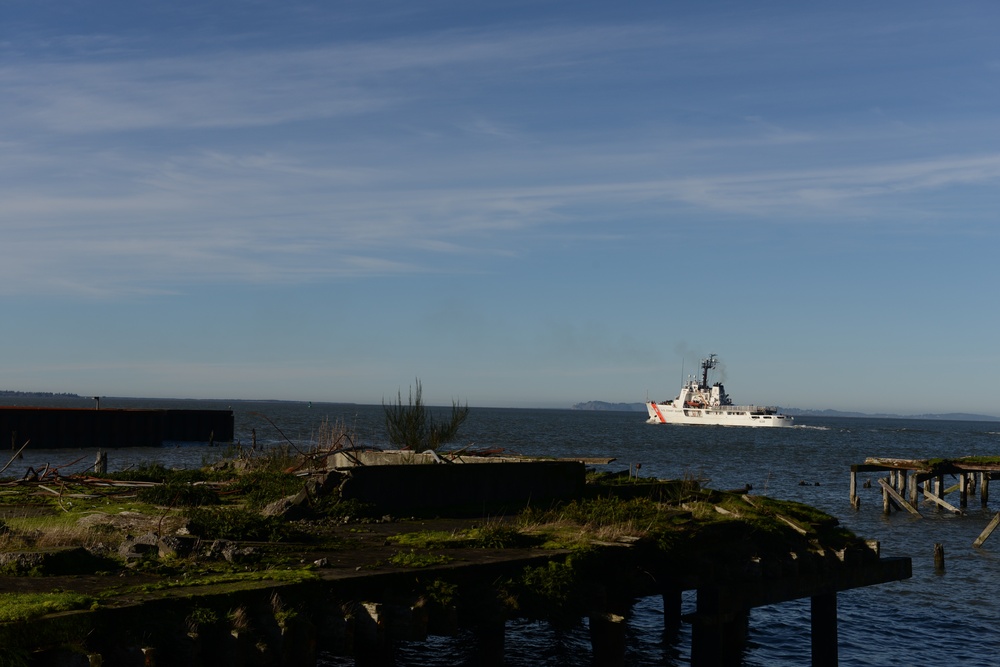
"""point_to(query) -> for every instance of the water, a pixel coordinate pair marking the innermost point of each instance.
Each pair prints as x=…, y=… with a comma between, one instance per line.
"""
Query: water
x=924, y=619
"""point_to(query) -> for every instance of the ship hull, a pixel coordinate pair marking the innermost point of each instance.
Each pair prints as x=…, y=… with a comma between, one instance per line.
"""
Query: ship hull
x=663, y=413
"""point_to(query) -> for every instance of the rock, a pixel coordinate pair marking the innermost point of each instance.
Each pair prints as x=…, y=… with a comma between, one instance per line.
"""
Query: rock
x=132, y=550
x=232, y=552
x=176, y=546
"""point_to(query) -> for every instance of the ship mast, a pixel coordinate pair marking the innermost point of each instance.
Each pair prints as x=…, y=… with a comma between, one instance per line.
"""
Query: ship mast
x=707, y=364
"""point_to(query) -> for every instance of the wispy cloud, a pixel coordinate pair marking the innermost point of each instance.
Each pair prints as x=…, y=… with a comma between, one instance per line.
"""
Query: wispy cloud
x=123, y=172
x=260, y=88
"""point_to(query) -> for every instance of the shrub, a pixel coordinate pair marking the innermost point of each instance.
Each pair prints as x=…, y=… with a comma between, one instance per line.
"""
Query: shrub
x=412, y=426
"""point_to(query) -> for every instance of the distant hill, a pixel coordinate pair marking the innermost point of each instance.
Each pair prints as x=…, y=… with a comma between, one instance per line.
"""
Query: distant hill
x=35, y=394
x=795, y=412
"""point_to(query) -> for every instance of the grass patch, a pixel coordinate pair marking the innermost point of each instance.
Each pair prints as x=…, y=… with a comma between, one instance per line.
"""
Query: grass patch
x=493, y=535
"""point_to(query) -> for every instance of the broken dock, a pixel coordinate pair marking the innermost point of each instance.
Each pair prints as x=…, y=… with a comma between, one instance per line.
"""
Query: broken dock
x=54, y=428
x=909, y=478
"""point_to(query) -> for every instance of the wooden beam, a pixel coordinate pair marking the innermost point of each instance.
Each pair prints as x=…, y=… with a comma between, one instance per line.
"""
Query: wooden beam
x=986, y=533
x=887, y=488
x=940, y=501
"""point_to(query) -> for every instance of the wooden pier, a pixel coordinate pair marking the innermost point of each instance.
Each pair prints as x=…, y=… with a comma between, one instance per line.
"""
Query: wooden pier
x=54, y=428
x=364, y=613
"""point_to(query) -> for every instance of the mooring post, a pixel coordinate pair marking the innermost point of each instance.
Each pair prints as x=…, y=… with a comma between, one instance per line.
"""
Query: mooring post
x=855, y=503
x=101, y=463
x=913, y=489
x=939, y=557
x=963, y=490
x=824, y=630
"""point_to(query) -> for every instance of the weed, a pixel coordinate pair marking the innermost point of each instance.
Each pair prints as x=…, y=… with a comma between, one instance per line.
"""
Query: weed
x=500, y=535
x=262, y=486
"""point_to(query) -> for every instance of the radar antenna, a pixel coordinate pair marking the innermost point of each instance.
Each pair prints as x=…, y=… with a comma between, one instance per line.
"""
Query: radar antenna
x=706, y=365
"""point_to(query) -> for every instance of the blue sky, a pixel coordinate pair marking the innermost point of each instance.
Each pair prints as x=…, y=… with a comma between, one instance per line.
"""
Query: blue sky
x=521, y=204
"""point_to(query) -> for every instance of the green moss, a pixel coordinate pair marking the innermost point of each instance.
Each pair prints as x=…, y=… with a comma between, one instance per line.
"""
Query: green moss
x=28, y=606
x=413, y=558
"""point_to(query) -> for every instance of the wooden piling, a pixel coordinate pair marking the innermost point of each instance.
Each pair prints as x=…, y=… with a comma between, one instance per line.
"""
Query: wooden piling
x=824, y=630
x=607, y=637
x=719, y=633
x=939, y=557
x=490, y=635
x=855, y=501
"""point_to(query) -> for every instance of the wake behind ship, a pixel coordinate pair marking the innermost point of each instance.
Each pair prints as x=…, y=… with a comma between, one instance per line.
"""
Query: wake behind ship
x=699, y=403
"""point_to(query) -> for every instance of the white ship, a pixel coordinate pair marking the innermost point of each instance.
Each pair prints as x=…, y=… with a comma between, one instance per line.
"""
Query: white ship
x=699, y=403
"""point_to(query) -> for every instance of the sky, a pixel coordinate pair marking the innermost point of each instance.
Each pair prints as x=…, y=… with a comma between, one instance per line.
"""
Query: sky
x=519, y=204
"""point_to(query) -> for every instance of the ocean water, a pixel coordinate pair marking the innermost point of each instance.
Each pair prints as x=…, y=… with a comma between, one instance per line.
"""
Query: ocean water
x=933, y=616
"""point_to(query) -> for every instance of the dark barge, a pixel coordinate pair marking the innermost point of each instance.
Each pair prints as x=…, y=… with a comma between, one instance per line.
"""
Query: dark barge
x=54, y=428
